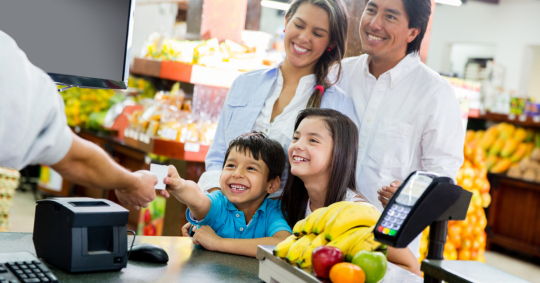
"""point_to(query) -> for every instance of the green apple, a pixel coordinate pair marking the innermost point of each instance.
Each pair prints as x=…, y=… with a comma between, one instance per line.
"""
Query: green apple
x=374, y=265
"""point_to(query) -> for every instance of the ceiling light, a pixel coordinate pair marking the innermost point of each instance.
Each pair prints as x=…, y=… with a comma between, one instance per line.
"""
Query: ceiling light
x=449, y=2
x=276, y=5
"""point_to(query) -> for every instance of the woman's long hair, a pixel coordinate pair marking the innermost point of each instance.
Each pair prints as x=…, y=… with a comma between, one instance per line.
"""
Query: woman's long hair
x=343, y=165
x=339, y=25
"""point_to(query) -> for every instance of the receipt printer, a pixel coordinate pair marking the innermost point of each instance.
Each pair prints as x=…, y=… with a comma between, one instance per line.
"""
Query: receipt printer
x=81, y=234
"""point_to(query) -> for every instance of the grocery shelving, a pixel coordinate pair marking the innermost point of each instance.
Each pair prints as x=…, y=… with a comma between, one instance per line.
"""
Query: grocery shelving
x=182, y=72
x=518, y=120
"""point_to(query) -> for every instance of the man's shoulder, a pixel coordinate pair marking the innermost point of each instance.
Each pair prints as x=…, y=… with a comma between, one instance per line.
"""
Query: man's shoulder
x=431, y=77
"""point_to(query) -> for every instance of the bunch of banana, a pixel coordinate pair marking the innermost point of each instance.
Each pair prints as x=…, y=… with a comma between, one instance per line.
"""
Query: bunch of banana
x=305, y=259
x=298, y=247
x=346, y=225
x=353, y=215
x=282, y=248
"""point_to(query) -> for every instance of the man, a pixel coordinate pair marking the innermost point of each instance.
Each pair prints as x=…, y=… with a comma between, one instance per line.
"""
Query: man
x=409, y=115
x=33, y=129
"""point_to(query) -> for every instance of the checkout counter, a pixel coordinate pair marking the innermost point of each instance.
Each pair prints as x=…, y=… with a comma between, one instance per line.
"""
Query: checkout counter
x=187, y=263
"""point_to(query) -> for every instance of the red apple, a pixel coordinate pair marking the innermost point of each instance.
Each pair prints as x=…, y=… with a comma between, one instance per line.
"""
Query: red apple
x=323, y=258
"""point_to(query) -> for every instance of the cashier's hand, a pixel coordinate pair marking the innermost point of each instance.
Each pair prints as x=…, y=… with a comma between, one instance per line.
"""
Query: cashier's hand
x=141, y=193
x=386, y=193
x=206, y=237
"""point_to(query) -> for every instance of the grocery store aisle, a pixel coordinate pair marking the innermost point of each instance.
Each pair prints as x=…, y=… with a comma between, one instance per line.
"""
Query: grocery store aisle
x=22, y=220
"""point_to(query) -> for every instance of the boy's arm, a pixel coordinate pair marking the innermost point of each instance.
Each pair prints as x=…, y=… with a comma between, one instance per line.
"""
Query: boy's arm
x=187, y=192
x=207, y=238
x=405, y=259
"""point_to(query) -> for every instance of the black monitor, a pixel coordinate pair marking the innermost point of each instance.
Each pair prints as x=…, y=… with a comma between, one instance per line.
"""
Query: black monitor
x=84, y=43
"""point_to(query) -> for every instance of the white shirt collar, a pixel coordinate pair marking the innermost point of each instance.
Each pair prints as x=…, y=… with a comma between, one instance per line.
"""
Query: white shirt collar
x=305, y=81
x=400, y=71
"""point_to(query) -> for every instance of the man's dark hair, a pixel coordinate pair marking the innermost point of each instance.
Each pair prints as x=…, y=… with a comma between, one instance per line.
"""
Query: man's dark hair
x=419, y=12
x=260, y=146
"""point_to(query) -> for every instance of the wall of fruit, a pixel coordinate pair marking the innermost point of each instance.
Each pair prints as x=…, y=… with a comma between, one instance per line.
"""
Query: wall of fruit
x=501, y=149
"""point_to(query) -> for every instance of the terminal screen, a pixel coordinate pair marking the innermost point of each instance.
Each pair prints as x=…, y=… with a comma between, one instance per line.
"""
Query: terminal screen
x=414, y=189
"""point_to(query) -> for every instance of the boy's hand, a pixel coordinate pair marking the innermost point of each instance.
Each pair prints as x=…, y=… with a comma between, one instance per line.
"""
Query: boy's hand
x=173, y=181
x=206, y=237
x=386, y=193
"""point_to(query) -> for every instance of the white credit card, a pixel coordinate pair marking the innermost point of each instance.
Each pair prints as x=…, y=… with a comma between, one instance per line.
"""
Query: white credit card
x=161, y=172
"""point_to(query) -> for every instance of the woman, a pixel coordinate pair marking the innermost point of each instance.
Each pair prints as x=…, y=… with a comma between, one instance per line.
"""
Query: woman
x=269, y=100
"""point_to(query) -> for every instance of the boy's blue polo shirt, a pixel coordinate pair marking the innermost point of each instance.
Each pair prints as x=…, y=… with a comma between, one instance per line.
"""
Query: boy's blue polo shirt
x=228, y=222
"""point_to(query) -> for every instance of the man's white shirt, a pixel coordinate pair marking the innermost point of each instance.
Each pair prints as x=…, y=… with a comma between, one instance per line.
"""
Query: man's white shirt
x=410, y=120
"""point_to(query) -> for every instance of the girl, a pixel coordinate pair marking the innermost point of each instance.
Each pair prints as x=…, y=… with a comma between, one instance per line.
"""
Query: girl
x=323, y=156
x=269, y=100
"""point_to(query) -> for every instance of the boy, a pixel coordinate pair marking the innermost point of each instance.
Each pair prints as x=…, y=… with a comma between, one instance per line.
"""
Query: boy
x=239, y=217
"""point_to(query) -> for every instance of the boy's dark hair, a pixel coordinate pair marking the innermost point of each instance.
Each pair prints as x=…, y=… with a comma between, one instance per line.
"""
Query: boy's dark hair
x=343, y=173
x=260, y=146
x=418, y=12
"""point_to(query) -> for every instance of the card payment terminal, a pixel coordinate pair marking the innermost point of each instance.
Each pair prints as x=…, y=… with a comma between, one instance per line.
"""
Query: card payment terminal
x=417, y=203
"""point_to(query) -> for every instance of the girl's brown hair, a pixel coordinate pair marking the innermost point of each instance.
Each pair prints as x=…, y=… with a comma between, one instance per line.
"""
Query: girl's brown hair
x=339, y=24
x=343, y=165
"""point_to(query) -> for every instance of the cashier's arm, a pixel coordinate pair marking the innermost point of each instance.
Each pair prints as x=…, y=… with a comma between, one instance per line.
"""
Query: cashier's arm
x=207, y=238
x=88, y=165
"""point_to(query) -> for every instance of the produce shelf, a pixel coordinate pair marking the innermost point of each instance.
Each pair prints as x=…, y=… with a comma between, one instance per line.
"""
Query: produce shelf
x=514, y=215
x=182, y=72
x=518, y=120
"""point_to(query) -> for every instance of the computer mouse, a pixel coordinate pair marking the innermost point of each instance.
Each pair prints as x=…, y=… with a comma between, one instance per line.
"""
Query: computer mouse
x=149, y=253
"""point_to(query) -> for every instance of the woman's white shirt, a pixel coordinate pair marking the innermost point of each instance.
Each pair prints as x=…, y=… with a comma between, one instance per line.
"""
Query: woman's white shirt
x=350, y=196
x=281, y=129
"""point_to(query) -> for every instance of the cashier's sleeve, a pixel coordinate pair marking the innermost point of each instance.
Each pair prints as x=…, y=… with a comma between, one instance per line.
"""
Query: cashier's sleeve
x=33, y=126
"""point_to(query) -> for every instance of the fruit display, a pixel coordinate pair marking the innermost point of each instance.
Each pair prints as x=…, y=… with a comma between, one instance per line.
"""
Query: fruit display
x=466, y=240
x=337, y=242
x=81, y=103
x=248, y=55
x=504, y=145
x=9, y=180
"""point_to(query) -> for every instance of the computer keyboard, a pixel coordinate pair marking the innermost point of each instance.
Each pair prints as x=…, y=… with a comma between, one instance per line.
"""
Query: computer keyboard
x=23, y=267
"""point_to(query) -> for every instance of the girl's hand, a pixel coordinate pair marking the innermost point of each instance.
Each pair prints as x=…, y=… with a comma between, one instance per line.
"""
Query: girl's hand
x=173, y=181
x=386, y=193
x=206, y=237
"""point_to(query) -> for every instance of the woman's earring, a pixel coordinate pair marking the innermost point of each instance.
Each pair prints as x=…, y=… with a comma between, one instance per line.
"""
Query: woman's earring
x=329, y=49
x=283, y=30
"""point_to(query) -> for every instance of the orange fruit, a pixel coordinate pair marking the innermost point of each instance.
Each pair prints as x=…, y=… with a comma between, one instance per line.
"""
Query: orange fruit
x=454, y=230
x=449, y=246
x=467, y=183
x=452, y=255
x=345, y=272
x=481, y=239
x=486, y=187
x=472, y=219
x=466, y=164
x=464, y=254
x=475, y=245
x=474, y=254
x=486, y=200
x=456, y=240
x=466, y=243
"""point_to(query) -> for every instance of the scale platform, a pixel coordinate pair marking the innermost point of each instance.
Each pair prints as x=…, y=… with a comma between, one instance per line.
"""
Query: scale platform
x=273, y=269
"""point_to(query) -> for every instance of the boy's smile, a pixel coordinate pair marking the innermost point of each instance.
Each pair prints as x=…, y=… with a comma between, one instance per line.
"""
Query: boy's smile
x=244, y=180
